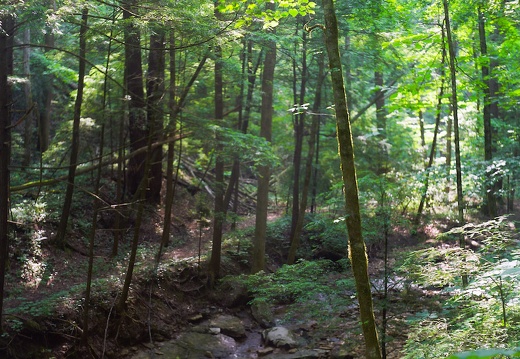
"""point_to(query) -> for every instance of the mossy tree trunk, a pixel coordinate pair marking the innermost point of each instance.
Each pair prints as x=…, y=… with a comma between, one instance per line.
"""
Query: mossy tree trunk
x=358, y=255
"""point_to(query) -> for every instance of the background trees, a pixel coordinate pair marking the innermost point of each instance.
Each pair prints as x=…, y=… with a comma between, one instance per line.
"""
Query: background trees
x=224, y=89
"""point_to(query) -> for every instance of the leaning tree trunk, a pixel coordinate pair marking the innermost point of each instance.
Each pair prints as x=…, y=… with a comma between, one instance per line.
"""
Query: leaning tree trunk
x=74, y=152
x=264, y=171
x=434, y=141
x=7, y=27
x=358, y=255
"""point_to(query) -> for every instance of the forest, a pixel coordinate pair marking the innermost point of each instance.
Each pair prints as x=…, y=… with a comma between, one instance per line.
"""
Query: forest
x=259, y=179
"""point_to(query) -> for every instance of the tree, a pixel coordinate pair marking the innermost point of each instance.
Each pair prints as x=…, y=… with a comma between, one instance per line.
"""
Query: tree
x=358, y=255
x=7, y=29
x=62, y=229
x=264, y=171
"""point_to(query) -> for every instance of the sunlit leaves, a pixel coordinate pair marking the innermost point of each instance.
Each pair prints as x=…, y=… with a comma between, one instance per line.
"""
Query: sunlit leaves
x=251, y=11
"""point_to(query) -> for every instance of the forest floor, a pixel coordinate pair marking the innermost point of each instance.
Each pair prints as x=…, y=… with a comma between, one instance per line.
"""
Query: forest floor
x=45, y=291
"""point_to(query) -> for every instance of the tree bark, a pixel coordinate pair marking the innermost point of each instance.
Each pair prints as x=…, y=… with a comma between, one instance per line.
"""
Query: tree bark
x=7, y=26
x=62, y=229
x=28, y=124
x=454, y=104
x=358, y=255
x=44, y=121
x=137, y=124
x=316, y=109
x=154, y=109
x=490, y=200
x=264, y=172
x=435, y=132
x=219, y=211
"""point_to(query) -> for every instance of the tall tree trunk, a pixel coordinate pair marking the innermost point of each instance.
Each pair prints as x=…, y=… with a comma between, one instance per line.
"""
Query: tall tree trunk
x=44, y=120
x=169, y=196
x=316, y=109
x=7, y=28
x=299, y=129
x=28, y=124
x=219, y=210
x=62, y=229
x=264, y=171
x=358, y=255
x=154, y=108
x=435, y=132
x=454, y=104
x=491, y=203
x=137, y=124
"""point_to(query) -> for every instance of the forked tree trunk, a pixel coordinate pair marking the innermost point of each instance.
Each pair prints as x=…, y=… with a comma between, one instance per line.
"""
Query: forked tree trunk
x=358, y=255
x=264, y=172
x=62, y=229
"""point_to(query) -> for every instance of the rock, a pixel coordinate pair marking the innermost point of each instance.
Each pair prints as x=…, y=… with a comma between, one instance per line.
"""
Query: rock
x=280, y=337
x=194, y=346
x=265, y=351
x=300, y=354
x=263, y=314
x=229, y=325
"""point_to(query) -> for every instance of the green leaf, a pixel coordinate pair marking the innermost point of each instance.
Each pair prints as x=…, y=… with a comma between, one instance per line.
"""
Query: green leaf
x=293, y=12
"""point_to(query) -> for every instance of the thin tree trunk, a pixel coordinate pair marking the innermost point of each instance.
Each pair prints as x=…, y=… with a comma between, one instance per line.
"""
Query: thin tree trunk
x=316, y=109
x=264, y=172
x=155, y=91
x=491, y=202
x=62, y=229
x=6, y=69
x=44, y=120
x=28, y=124
x=358, y=255
x=299, y=129
x=219, y=211
x=454, y=104
x=168, y=205
x=435, y=132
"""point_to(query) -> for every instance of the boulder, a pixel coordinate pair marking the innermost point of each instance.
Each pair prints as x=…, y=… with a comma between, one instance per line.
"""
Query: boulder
x=280, y=337
x=229, y=325
x=263, y=314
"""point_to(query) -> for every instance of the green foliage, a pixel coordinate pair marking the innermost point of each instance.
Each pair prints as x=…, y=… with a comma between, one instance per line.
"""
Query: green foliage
x=311, y=290
x=327, y=234
x=487, y=354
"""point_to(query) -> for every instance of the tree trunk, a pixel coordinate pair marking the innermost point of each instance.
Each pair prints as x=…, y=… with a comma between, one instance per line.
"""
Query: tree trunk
x=219, y=211
x=169, y=196
x=264, y=172
x=435, y=132
x=44, y=121
x=154, y=109
x=299, y=129
x=454, y=104
x=358, y=255
x=62, y=229
x=316, y=109
x=490, y=200
x=28, y=122
x=7, y=28
x=137, y=124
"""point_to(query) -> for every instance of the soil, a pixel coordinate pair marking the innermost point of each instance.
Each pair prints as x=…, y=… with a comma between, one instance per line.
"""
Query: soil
x=45, y=295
